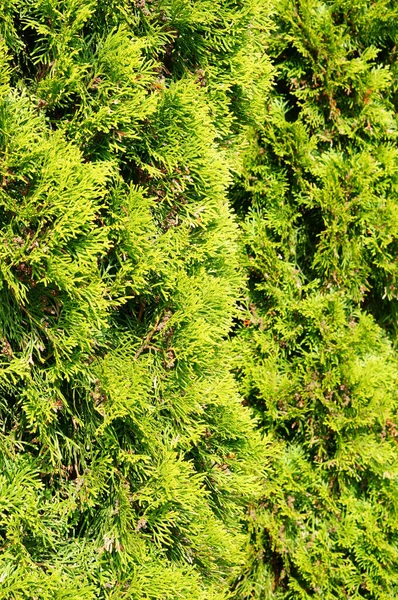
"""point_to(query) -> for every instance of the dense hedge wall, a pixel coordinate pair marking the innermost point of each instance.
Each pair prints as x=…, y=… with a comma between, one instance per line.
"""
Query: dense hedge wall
x=127, y=456
x=315, y=351
x=198, y=299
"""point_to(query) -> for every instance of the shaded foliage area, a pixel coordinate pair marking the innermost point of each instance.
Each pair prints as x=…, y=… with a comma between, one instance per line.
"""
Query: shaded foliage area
x=315, y=351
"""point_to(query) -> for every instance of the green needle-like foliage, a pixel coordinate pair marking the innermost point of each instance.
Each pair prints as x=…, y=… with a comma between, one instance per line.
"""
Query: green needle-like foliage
x=315, y=351
x=127, y=457
x=142, y=325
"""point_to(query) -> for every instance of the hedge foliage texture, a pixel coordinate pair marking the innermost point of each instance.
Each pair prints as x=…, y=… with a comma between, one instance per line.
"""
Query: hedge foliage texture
x=316, y=351
x=198, y=299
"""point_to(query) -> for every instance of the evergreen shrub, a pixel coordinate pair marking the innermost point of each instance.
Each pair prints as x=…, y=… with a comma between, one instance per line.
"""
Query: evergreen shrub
x=127, y=457
x=315, y=349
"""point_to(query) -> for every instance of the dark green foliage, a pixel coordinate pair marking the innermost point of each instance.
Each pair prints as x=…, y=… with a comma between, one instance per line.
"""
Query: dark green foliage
x=127, y=457
x=314, y=354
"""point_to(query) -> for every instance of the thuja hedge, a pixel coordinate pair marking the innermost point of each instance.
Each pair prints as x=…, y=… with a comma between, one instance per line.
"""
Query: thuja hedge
x=196, y=404
x=316, y=347
x=127, y=457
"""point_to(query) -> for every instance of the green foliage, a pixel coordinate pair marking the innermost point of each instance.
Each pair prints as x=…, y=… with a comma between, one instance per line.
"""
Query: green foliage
x=314, y=353
x=130, y=467
x=127, y=456
x=323, y=380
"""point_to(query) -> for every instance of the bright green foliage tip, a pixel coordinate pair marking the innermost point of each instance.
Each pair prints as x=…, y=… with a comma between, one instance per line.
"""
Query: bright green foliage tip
x=127, y=459
x=314, y=356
